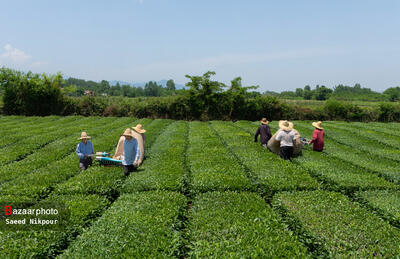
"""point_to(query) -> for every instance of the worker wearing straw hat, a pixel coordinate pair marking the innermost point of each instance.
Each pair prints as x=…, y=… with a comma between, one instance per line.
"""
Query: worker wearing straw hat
x=287, y=137
x=131, y=152
x=318, y=137
x=138, y=133
x=84, y=150
x=264, y=132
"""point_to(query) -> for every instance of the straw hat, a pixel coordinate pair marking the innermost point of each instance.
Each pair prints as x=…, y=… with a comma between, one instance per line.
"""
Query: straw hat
x=286, y=125
x=317, y=124
x=264, y=121
x=127, y=132
x=84, y=136
x=139, y=128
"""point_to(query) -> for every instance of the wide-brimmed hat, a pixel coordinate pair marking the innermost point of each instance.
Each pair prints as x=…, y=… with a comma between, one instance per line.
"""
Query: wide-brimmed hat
x=139, y=128
x=286, y=125
x=127, y=132
x=264, y=121
x=317, y=124
x=84, y=136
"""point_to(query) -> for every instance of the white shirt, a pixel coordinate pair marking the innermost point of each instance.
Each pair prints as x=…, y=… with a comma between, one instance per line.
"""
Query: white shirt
x=286, y=138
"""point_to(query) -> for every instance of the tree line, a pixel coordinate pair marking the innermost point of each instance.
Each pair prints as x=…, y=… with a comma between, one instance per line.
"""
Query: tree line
x=340, y=92
x=204, y=99
x=79, y=87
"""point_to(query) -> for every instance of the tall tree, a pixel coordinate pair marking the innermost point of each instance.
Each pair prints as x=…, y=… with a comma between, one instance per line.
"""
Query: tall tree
x=171, y=85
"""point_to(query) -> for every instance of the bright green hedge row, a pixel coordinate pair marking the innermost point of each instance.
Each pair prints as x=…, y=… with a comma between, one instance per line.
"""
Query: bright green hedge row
x=41, y=126
x=392, y=127
x=60, y=148
x=386, y=168
x=138, y=225
x=238, y=225
x=382, y=133
x=48, y=243
x=105, y=181
x=212, y=166
x=340, y=175
x=269, y=170
x=385, y=140
x=10, y=124
x=337, y=227
x=358, y=142
x=13, y=120
x=157, y=127
x=27, y=145
x=164, y=169
x=386, y=202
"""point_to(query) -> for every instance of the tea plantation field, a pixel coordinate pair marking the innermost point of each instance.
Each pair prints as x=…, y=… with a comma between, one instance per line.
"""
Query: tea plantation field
x=205, y=190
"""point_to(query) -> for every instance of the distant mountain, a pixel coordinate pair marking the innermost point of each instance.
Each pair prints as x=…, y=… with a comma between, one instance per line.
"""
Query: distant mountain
x=161, y=82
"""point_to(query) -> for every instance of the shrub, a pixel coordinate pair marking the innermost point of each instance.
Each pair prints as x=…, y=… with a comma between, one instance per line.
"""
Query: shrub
x=24, y=93
x=167, y=172
x=269, y=170
x=336, y=226
x=49, y=243
x=212, y=166
x=385, y=202
x=142, y=225
x=389, y=112
x=238, y=225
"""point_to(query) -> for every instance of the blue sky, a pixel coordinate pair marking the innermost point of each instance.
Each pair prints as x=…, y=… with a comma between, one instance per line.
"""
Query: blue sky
x=278, y=45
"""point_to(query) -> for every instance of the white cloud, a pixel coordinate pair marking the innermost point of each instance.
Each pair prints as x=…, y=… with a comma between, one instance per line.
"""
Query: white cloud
x=14, y=55
x=18, y=59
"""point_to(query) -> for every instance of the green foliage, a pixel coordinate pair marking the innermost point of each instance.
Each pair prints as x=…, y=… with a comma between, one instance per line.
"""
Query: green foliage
x=337, y=110
x=238, y=225
x=12, y=133
x=357, y=155
x=47, y=243
x=105, y=181
x=388, y=139
x=342, y=228
x=389, y=112
x=204, y=95
x=21, y=145
x=163, y=170
x=31, y=94
x=194, y=158
x=212, y=166
x=393, y=93
x=322, y=93
x=386, y=203
x=267, y=169
x=170, y=85
x=36, y=177
x=60, y=148
x=339, y=175
x=141, y=225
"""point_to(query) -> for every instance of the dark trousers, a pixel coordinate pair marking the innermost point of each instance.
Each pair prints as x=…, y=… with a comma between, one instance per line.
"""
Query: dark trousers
x=85, y=163
x=128, y=169
x=286, y=152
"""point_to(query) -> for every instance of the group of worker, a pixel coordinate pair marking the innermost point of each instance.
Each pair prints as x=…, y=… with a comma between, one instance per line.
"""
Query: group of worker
x=286, y=141
x=130, y=149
